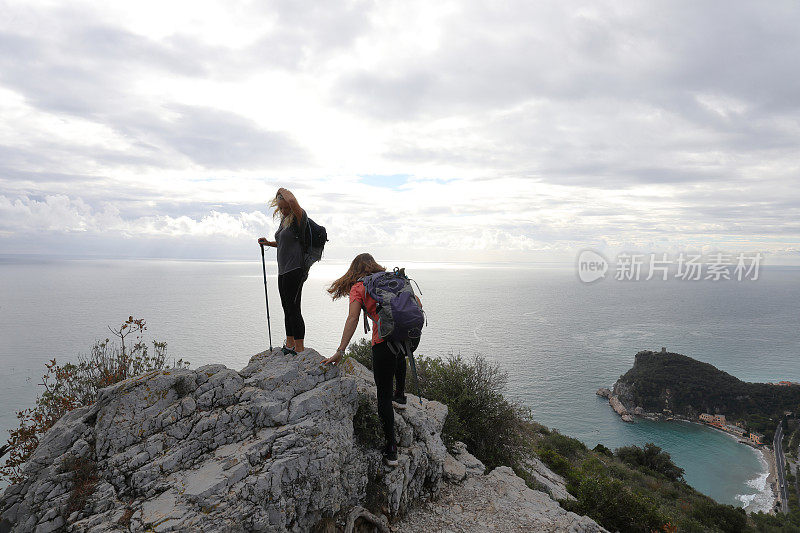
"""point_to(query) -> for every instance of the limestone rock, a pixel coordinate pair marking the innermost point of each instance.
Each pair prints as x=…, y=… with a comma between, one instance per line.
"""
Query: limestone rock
x=498, y=501
x=555, y=484
x=617, y=406
x=473, y=465
x=603, y=392
x=269, y=448
x=624, y=393
x=454, y=471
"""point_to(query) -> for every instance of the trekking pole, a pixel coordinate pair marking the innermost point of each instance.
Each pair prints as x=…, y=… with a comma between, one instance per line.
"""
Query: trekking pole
x=407, y=346
x=266, y=296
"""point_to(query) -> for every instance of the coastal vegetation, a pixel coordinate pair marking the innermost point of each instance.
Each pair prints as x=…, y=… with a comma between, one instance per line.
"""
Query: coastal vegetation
x=792, y=439
x=689, y=387
x=72, y=385
x=650, y=458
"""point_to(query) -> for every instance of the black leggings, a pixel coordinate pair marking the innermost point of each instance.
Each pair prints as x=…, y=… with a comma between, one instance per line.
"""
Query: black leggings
x=385, y=367
x=290, y=287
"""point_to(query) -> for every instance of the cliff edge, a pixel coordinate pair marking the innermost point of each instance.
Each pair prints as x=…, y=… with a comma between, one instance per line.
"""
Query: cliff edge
x=269, y=448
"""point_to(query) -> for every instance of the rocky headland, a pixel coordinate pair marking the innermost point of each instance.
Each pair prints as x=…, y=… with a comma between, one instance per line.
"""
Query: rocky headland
x=269, y=448
x=666, y=384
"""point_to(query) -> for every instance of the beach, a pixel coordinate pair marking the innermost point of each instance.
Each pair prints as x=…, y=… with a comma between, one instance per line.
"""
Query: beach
x=766, y=498
x=772, y=478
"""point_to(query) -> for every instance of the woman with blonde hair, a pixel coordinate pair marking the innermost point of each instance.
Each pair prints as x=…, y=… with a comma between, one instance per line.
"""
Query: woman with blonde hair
x=291, y=265
x=387, y=366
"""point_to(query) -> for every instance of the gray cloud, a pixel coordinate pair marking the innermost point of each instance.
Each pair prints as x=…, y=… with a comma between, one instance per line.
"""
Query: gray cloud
x=308, y=33
x=83, y=70
x=214, y=138
x=629, y=96
x=499, y=57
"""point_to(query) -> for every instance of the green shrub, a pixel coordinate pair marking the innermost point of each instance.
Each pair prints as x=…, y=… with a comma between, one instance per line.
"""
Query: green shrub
x=620, y=471
x=723, y=517
x=610, y=503
x=494, y=429
x=367, y=424
x=769, y=523
x=557, y=463
x=603, y=450
x=361, y=351
x=652, y=458
x=593, y=466
x=794, y=442
x=566, y=446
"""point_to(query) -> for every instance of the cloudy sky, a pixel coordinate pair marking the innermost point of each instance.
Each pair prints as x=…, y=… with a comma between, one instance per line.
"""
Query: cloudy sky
x=470, y=131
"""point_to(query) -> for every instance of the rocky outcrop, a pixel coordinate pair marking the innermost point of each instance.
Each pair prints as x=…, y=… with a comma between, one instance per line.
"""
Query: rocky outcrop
x=498, y=501
x=620, y=409
x=269, y=448
x=624, y=393
x=555, y=485
x=472, y=464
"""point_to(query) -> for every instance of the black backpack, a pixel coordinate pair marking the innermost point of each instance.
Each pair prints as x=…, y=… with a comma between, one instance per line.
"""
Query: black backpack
x=313, y=241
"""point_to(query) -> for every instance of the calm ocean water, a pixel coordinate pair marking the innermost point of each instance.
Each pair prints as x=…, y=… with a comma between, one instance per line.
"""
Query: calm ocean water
x=558, y=339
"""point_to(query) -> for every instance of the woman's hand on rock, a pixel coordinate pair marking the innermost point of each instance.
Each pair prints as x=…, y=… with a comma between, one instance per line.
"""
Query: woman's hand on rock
x=335, y=360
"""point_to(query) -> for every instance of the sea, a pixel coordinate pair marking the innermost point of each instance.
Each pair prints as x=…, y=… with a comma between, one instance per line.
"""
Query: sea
x=557, y=338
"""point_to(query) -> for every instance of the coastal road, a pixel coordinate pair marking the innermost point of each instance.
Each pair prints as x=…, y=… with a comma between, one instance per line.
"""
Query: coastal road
x=780, y=466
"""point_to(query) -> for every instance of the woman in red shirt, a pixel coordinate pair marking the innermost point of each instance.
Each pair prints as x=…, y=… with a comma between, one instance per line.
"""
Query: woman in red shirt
x=386, y=366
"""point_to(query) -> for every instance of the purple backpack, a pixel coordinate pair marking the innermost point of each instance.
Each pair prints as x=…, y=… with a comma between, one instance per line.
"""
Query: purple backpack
x=400, y=317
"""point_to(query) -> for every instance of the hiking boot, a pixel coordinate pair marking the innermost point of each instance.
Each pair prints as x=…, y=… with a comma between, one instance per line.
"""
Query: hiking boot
x=390, y=455
x=287, y=351
x=399, y=402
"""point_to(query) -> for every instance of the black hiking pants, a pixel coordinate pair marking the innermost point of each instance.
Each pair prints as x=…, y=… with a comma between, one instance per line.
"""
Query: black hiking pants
x=388, y=368
x=290, y=287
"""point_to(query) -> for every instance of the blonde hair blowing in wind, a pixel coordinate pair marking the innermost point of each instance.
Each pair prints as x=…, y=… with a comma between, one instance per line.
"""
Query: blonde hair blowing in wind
x=287, y=220
x=362, y=265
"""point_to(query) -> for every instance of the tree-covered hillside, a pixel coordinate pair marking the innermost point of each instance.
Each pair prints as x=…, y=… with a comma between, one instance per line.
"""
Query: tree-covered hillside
x=690, y=387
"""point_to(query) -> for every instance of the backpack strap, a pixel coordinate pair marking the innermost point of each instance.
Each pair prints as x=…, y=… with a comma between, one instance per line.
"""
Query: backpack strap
x=302, y=224
x=363, y=307
x=394, y=348
x=406, y=347
x=415, y=283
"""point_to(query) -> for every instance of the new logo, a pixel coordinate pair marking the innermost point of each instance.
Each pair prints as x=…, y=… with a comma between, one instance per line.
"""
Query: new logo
x=591, y=266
